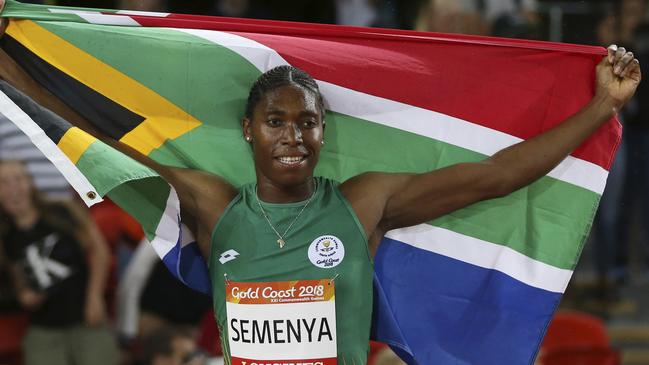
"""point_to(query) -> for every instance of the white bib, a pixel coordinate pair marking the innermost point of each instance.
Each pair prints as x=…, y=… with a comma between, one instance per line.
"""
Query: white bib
x=282, y=323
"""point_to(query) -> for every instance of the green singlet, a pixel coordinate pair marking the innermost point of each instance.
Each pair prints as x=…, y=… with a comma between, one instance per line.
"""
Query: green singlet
x=326, y=241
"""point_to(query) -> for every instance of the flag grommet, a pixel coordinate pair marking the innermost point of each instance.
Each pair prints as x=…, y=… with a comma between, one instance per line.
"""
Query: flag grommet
x=91, y=195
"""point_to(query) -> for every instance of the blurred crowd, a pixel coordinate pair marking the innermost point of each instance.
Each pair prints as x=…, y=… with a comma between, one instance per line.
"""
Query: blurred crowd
x=86, y=282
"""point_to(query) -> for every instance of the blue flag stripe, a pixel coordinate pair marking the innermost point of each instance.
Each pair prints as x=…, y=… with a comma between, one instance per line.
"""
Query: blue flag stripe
x=470, y=306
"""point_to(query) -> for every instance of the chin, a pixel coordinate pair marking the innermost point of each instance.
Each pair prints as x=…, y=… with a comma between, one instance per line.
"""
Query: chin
x=291, y=180
x=291, y=175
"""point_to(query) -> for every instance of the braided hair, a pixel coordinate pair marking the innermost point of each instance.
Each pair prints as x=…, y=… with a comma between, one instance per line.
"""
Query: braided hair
x=278, y=77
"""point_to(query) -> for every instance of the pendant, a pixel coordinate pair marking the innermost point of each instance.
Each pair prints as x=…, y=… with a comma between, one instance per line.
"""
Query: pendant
x=281, y=243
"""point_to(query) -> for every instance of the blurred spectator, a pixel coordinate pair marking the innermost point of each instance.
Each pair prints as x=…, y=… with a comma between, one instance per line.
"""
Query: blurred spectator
x=356, y=12
x=632, y=14
x=494, y=9
x=8, y=299
x=609, y=229
x=171, y=346
x=101, y=4
x=122, y=234
x=503, y=18
x=233, y=8
x=130, y=289
x=143, y=5
x=449, y=16
x=636, y=122
x=208, y=337
x=46, y=245
x=15, y=145
x=511, y=18
x=312, y=11
x=406, y=12
x=365, y=13
x=626, y=193
x=149, y=297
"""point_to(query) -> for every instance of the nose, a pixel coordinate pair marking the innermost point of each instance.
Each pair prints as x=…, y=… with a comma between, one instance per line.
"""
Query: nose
x=293, y=134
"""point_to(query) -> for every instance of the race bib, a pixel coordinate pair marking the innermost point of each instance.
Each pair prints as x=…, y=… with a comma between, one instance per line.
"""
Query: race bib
x=282, y=323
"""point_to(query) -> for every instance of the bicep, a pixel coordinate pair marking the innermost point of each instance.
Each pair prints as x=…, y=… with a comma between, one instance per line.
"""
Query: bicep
x=203, y=196
x=418, y=198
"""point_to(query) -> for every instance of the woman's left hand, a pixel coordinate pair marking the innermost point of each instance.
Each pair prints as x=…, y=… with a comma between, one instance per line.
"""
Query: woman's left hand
x=618, y=76
x=95, y=311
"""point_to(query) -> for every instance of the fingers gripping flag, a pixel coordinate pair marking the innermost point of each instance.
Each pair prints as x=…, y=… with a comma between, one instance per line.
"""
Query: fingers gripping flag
x=476, y=286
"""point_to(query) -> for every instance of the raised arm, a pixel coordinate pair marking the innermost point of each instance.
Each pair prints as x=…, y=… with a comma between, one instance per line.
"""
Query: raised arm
x=389, y=201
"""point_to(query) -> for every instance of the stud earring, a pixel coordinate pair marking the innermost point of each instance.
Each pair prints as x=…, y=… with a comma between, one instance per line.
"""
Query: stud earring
x=248, y=138
x=322, y=142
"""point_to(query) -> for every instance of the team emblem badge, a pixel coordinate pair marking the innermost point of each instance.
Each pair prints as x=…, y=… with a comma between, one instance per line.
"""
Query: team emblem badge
x=326, y=252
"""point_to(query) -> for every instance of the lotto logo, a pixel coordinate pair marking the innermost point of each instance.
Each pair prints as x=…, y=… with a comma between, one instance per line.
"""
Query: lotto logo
x=228, y=255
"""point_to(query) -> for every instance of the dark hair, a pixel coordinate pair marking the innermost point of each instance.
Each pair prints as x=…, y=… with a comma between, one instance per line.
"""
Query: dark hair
x=58, y=214
x=159, y=342
x=278, y=77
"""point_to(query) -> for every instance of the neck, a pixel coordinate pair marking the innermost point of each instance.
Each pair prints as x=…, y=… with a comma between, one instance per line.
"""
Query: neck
x=271, y=193
x=26, y=218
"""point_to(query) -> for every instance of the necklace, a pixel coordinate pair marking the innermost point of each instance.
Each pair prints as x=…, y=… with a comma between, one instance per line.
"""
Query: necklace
x=280, y=237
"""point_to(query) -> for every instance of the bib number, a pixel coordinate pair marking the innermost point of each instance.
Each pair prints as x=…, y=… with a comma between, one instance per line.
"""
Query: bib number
x=282, y=323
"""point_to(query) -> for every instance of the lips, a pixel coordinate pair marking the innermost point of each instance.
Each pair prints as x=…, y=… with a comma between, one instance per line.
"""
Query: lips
x=290, y=160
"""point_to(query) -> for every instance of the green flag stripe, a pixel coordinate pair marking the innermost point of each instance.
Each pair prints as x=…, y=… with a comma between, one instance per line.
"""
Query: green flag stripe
x=144, y=199
x=133, y=186
x=106, y=167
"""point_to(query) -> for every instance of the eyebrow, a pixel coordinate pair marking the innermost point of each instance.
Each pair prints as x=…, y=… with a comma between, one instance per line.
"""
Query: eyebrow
x=282, y=112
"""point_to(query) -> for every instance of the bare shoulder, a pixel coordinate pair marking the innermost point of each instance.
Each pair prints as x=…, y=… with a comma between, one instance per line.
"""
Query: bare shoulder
x=368, y=194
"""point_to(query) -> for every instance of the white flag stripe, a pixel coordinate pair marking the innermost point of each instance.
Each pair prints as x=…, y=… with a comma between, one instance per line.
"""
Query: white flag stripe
x=451, y=130
x=405, y=117
x=143, y=13
x=168, y=232
x=95, y=17
x=484, y=254
x=79, y=182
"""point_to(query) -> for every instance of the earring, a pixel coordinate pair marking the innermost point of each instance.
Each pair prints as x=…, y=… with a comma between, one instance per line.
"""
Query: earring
x=248, y=138
x=322, y=142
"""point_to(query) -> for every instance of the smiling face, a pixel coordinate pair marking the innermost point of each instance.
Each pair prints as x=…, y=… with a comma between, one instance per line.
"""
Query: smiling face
x=286, y=134
x=15, y=188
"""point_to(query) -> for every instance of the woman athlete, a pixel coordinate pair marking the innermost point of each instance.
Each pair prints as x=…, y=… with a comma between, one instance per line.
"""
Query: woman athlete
x=291, y=226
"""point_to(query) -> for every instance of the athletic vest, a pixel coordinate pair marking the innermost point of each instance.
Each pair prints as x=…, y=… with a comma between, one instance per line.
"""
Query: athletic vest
x=326, y=245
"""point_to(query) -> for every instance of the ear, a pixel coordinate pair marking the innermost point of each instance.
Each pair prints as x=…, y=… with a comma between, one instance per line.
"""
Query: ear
x=246, y=126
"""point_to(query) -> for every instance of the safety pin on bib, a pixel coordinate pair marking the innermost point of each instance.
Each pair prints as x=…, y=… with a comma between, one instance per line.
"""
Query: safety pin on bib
x=334, y=278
